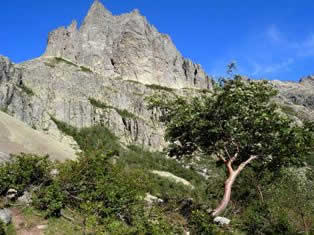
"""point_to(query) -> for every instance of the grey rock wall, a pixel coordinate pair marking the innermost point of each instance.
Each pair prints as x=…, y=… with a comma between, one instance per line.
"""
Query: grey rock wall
x=125, y=46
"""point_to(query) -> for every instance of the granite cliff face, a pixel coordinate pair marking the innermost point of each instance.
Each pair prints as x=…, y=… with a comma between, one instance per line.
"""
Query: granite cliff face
x=297, y=99
x=125, y=46
x=100, y=74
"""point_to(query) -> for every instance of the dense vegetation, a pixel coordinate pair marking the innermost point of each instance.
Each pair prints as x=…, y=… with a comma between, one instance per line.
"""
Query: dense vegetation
x=103, y=191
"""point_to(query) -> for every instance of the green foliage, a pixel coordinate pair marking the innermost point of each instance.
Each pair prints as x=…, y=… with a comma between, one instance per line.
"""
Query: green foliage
x=259, y=219
x=137, y=158
x=122, y=112
x=201, y=223
x=86, y=69
x=288, y=110
x=99, y=104
x=4, y=109
x=25, y=170
x=26, y=89
x=238, y=117
x=2, y=229
x=126, y=114
x=63, y=60
x=273, y=203
x=94, y=139
x=51, y=65
x=50, y=199
x=158, y=87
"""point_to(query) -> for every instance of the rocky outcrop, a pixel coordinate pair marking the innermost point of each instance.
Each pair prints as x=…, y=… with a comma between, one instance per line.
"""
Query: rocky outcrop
x=125, y=46
x=5, y=216
x=100, y=73
x=297, y=99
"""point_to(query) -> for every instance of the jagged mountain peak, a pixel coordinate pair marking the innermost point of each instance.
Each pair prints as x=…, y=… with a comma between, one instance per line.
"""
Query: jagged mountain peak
x=96, y=13
x=125, y=46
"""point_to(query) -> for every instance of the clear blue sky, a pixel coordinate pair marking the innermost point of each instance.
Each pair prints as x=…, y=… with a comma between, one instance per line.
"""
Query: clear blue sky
x=268, y=38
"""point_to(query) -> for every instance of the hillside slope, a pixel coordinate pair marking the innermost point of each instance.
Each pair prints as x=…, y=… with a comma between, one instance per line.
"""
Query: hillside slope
x=16, y=137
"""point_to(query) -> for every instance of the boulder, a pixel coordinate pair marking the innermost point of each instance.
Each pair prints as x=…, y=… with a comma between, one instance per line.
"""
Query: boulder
x=5, y=216
x=11, y=194
x=222, y=220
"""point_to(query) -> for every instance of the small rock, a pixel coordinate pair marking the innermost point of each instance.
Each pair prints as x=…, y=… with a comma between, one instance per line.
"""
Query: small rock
x=173, y=177
x=222, y=220
x=4, y=157
x=11, y=194
x=42, y=226
x=5, y=216
x=26, y=198
x=54, y=172
x=150, y=199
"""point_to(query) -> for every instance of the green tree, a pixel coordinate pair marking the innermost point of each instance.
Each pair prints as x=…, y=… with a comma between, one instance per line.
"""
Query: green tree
x=239, y=124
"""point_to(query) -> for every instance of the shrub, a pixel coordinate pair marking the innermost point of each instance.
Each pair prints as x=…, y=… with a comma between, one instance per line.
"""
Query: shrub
x=25, y=170
x=2, y=230
x=27, y=90
x=201, y=222
x=122, y=112
x=91, y=139
x=50, y=199
x=158, y=87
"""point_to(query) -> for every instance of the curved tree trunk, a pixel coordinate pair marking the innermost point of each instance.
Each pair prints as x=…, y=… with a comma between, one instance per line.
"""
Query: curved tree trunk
x=227, y=195
x=228, y=185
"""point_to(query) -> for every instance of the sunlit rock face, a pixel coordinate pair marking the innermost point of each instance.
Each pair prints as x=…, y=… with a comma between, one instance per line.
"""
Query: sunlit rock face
x=100, y=74
x=125, y=46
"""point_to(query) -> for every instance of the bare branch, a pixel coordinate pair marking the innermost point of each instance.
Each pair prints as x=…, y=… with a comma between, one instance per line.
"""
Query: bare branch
x=243, y=164
x=237, y=152
x=226, y=150
x=222, y=158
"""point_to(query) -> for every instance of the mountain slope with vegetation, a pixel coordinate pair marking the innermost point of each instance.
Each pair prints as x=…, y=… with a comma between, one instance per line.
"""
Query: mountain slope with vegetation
x=162, y=148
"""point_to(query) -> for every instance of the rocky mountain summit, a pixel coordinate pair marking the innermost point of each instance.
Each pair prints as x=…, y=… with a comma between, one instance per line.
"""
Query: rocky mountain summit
x=125, y=46
x=100, y=73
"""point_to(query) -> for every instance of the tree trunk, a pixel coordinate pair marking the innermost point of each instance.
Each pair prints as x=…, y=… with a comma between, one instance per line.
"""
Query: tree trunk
x=227, y=195
x=228, y=185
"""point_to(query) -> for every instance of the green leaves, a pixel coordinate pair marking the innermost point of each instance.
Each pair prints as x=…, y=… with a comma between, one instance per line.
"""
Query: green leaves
x=240, y=115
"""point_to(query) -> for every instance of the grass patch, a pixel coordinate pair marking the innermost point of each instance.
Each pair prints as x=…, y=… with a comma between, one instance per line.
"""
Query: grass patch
x=51, y=65
x=137, y=158
x=126, y=114
x=10, y=230
x=5, y=110
x=288, y=110
x=90, y=139
x=62, y=60
x=133, y=81
x=158, y=87
x=85, y=69
x=122, y=112
x=26, y=90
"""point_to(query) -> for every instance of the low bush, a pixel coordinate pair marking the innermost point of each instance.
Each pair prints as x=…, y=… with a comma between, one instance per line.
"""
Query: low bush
x=2, y=229
x=24, y=171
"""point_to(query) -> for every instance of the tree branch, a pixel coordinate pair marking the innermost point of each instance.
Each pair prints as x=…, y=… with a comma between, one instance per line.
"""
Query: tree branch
x=237, y=152
x=222, y=158
x=243, y=164
x=226, y=150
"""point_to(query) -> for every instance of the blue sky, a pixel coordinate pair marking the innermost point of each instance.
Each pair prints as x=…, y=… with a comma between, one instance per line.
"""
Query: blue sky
x=271, y=39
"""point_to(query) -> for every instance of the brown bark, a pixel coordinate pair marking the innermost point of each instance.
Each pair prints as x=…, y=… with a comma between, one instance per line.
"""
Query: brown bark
x=232, y=175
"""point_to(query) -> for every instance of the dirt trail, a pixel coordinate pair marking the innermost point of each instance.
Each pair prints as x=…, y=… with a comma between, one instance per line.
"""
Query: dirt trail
x=21, y=225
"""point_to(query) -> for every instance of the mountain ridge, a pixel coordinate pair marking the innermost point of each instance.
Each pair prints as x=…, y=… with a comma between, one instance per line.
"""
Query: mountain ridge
x=101, y=74
x=125, y=46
